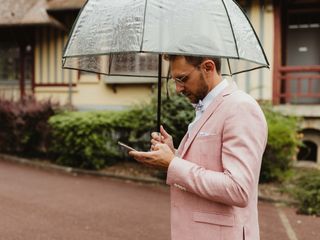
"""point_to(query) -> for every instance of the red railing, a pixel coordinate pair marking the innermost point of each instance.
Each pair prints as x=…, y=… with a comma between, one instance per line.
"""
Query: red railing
x=299, y=85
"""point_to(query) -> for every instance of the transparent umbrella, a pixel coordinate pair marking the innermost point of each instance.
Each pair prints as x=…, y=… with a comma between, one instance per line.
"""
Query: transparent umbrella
x=106, y=31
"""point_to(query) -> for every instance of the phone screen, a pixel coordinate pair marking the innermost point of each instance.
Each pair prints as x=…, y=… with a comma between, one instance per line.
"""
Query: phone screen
x=126, y=146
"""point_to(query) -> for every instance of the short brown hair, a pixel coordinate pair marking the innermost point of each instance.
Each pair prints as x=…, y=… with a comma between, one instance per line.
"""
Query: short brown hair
x=195, y=61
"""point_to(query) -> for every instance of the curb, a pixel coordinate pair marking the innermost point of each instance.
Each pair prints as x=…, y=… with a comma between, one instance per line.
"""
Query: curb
x=70, y=170
x=149, y=180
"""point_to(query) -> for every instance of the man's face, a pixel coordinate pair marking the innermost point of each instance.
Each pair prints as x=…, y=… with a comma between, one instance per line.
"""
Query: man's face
x=193, y=84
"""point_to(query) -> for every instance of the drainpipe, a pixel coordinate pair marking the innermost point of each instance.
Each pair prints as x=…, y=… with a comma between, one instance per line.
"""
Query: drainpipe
x=70, y=92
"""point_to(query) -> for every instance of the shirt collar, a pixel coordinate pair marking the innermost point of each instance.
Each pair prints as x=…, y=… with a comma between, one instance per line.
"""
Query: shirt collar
x=213, y=93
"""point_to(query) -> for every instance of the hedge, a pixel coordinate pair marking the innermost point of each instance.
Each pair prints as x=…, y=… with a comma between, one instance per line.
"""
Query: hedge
x=283, y=143
x=307, y=193
x=84, y=139
x=24, y=128
x=89, y=139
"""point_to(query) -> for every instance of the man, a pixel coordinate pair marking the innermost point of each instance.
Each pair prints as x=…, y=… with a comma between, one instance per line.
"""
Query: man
x=214, y=173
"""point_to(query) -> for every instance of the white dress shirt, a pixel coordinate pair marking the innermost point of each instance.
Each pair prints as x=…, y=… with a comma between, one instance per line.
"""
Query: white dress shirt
x=207, y=101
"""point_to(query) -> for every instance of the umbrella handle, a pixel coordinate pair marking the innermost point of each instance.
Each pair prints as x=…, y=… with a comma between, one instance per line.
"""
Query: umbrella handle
x=159, y=93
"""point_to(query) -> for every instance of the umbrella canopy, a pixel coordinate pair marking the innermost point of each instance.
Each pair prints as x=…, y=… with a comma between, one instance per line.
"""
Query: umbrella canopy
x=106, y=32
x=215, y=28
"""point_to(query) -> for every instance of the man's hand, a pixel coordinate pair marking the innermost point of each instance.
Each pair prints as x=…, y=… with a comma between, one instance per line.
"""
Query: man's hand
x=160, y=157
x=163, y=137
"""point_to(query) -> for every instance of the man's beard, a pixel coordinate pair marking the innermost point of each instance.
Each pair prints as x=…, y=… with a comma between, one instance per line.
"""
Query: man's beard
x=200, y=93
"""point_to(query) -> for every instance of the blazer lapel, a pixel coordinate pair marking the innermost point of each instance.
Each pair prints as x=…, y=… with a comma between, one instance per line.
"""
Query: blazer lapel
x=209, y=111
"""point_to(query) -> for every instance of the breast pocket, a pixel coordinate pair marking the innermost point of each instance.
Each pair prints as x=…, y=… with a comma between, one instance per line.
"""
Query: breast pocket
x=210, y=151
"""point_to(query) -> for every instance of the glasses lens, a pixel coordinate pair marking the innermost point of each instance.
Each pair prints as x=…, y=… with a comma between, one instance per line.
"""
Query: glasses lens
x=183, y=79
x=180, y=81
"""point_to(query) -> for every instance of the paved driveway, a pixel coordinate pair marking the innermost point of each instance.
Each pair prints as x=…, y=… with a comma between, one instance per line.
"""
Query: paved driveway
x=38, y=204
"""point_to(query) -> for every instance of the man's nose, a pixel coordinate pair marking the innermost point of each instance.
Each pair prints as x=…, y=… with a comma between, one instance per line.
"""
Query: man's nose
x=179, y=88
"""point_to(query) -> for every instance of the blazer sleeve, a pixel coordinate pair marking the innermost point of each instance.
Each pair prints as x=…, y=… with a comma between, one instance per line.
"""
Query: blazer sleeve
x=244, y=139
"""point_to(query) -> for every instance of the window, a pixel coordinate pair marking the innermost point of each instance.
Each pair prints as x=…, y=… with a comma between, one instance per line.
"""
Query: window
x=9, y=63
x=90, y=63
x=17, y=66
x=142, y=64
x=299, y=81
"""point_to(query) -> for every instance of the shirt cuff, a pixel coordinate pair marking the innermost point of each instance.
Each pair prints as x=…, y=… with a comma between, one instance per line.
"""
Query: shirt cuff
x=171, y=170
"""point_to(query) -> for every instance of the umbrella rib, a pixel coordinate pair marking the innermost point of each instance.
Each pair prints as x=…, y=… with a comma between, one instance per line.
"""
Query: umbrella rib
x=264, y=54
x=73, y=28
x=110, y=74
x=144, y=23
x=248, y=70
x=229, y=66
x=235, y=41
x=110, y=63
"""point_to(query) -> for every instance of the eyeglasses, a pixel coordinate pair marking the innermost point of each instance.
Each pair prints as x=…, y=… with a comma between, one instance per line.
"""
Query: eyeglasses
x=181, y=81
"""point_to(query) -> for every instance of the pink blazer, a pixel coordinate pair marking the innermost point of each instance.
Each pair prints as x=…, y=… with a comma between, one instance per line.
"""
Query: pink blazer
x=214, y=177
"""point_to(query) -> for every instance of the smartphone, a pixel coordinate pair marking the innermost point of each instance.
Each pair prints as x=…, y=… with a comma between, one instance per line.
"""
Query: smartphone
x=126, y=146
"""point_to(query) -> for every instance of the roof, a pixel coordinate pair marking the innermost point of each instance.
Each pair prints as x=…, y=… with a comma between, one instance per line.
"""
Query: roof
x=34, y=12
x=59, y=5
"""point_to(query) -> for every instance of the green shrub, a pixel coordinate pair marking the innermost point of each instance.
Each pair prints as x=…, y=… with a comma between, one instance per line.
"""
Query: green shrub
x=24, y=128
x=283, y=142
x=89, y=139
x=135, y=125
x=307, y=193
x=84, y=139
x=177, y=113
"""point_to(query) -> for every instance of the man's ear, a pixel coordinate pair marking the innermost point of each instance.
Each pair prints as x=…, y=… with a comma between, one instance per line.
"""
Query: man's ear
x=209, y=66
